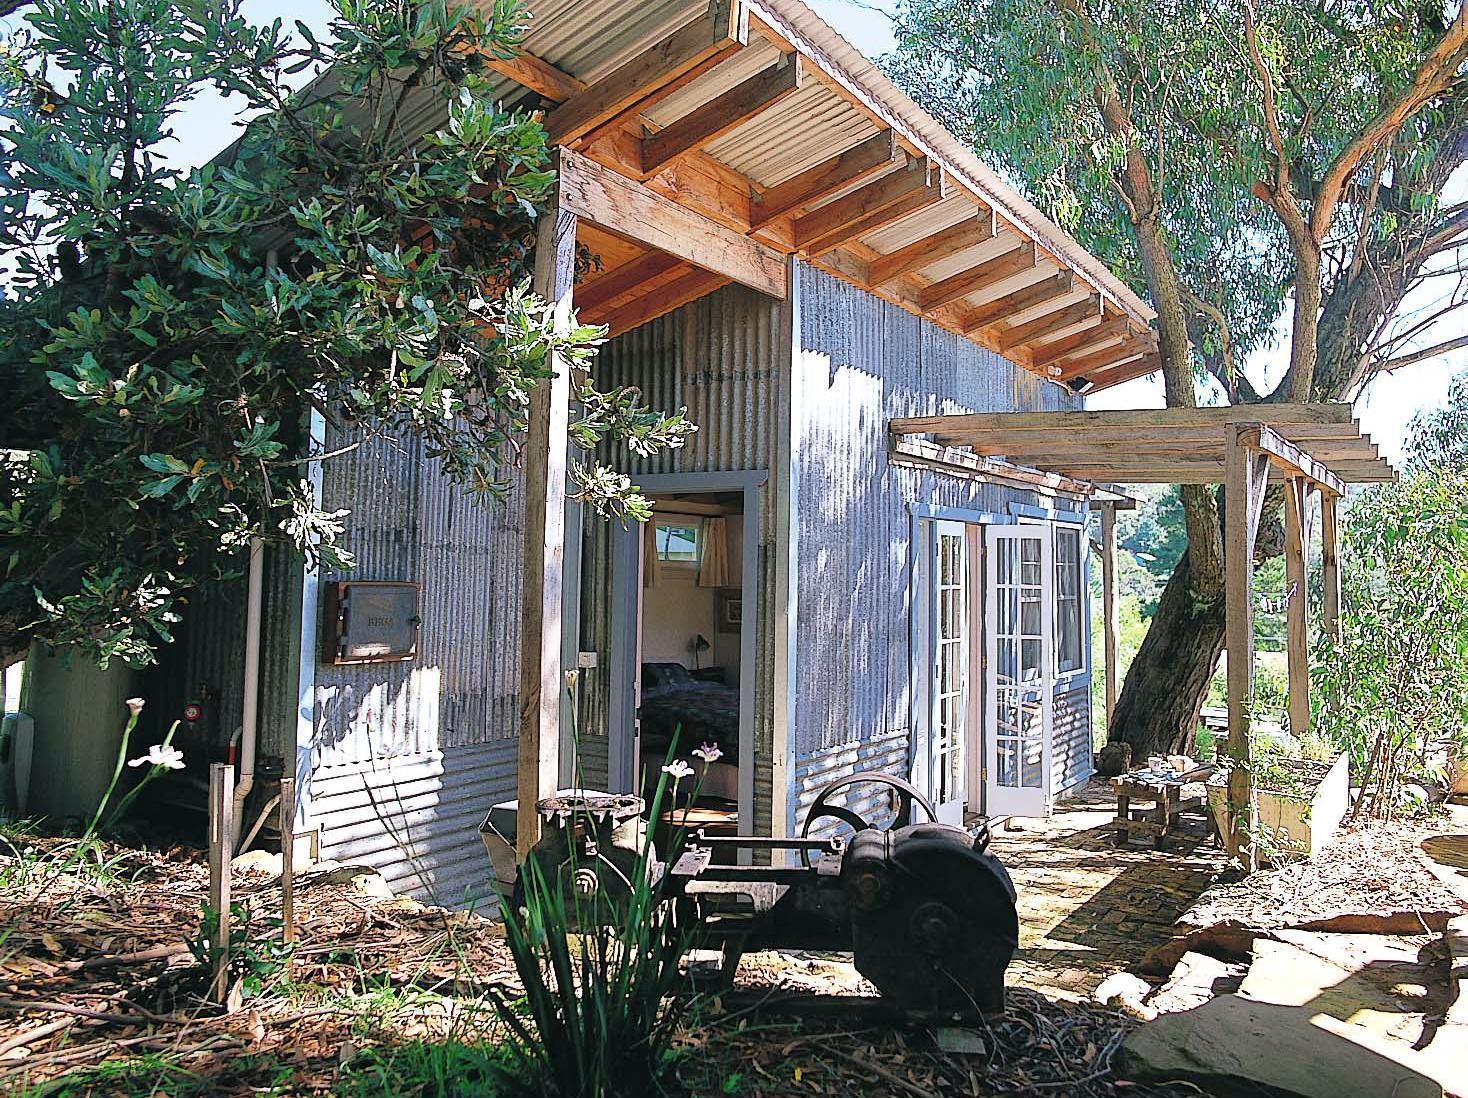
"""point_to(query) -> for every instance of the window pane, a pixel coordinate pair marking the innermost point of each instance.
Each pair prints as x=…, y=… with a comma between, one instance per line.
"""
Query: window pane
x=1068, y=655
x=677, y=542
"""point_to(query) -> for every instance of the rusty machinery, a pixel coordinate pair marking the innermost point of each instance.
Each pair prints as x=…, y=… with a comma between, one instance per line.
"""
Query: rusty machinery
x=927, y=913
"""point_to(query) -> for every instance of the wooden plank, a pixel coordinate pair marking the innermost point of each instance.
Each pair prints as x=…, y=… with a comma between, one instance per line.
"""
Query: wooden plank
x=664, y=299
x=1108, y=329
x=1117, y=352
x=1017, y=301
x=721, y=114
x=287, y=826
x=1330, y=567
x=605, y=198
x=544, y=456
x=1149, y=363
x=221, y=849
x=623, y=280
x=641, y=81
x=1280, y=415
x=797, y=194
x=1048, y=324
x=542, y=78
x=1293, y=459
x=974, y=279
x=1297, y=631
x=1110, y=633
x=867, y=208
x=969, y=233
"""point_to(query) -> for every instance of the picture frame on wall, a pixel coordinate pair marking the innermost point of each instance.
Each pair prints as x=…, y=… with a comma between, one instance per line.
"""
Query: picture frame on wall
x=729, y=611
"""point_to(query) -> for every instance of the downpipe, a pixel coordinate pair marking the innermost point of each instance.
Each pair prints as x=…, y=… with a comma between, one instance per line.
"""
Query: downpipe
x=249, y=725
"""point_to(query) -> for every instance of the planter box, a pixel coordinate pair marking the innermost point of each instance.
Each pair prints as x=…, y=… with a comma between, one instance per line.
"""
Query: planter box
x=1303, y=821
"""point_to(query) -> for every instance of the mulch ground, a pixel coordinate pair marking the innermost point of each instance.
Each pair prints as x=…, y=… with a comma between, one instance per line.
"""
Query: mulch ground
x=100, y=993
x=1375, y=869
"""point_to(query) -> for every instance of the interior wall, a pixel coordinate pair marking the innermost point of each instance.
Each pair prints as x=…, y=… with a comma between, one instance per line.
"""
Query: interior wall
x=676, y=609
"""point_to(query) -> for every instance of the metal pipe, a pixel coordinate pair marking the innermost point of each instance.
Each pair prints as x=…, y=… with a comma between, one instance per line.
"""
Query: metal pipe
x=249, y=725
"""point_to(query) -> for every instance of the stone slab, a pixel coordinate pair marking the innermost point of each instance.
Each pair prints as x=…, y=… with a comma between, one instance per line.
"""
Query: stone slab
x=1234, y=1046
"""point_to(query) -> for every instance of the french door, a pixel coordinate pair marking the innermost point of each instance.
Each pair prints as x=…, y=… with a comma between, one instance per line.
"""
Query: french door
x=948, y=618
x=1019, y=669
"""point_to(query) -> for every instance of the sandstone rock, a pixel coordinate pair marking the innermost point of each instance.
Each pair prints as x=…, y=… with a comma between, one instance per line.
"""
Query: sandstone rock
x=1126, y=993
x=1235, y=1046
x=1196, y=978
x=1113, y=759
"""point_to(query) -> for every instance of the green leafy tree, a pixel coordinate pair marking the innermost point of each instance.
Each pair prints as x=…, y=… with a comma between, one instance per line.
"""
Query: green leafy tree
x=1243, y=164
x=1439, y=437
x=165, y=328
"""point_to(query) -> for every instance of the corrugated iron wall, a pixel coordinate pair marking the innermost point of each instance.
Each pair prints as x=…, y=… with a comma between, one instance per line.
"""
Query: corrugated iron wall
x=720, y=357
x=408, y=757
x=863, y=362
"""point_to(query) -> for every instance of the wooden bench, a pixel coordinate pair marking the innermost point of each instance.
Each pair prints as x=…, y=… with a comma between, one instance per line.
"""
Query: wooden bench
x=1164, y=790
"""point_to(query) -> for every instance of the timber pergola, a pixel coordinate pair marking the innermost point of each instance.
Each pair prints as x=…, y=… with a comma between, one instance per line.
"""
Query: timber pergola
x=700, y=143
x=1302, y=448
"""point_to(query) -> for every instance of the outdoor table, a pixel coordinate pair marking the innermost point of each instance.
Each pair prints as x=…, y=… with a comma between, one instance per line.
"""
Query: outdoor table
x=1162, y=787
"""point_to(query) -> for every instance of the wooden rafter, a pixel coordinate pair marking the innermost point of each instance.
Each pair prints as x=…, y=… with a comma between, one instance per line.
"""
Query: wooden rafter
x=1149, y=363
x=1077, y=342
x=797, y=194
x=692, y=285
x=1048, y=324
x=653, y=74
x=721, y=114
x=968, y=233
x=1117, y=351
x=986, y=274
x=868, y=208
x=994, y=312
x=624, y=280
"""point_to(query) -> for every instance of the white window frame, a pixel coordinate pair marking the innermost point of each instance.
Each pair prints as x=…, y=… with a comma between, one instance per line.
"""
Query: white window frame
x=1079, y=521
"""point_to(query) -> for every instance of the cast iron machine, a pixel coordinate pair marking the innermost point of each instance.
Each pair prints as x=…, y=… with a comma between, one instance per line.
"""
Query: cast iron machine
x=927, y=913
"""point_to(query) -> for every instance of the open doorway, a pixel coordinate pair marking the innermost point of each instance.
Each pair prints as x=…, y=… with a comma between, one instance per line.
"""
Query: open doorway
x=690, y=653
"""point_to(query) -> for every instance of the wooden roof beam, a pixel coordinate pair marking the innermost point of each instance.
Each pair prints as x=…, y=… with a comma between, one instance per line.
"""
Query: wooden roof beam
x=1281, y=416
x=721, y=114
x=800, y=192
x=656, y=72
x=868, y=208
x=1017, y=301
x=1077, y=342
x=624, y=279
x=968, y=233
x=606, y=198
x=1291, y=458
x=986, y=274
x=1048, y=324
x=1149, y=363
x=690, y=286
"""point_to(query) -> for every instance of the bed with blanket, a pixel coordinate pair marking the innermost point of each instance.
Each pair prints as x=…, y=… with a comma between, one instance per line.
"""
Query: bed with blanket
x=698, y=712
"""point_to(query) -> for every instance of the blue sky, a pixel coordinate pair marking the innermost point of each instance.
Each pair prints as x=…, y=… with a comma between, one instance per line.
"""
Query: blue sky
x=1384, y=410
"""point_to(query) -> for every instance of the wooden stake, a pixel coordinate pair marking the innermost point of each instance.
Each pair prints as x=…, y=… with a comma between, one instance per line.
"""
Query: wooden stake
x=1240, y=487
x=1108, y=609
x=221, y=831
x=1330, y=568
x=287, y=860
x=541, y=678
x=1297, y=635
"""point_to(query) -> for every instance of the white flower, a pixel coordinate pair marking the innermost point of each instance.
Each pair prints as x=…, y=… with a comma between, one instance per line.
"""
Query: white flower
x=709, y=753
x=678, y=769
x=166, y=756
x=134, y=706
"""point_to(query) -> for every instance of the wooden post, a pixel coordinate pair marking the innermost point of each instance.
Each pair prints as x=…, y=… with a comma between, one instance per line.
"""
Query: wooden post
x=221, y=834
x=1240, y=488
x=1297, y=626
x=541, y=675
x=1330, y=568
x=1108, y=609
x=287, y=860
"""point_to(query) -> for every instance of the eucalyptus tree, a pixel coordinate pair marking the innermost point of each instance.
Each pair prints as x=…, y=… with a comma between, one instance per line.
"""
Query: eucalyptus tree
x=164, y=328
x=1244, y=164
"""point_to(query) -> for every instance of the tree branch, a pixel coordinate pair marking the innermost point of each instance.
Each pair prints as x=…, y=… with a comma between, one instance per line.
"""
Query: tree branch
x=1433, y=77
x=1415, y=357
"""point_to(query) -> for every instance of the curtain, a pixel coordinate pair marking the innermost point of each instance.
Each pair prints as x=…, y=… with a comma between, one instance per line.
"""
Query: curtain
x=713, y=564
x=650, y=553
